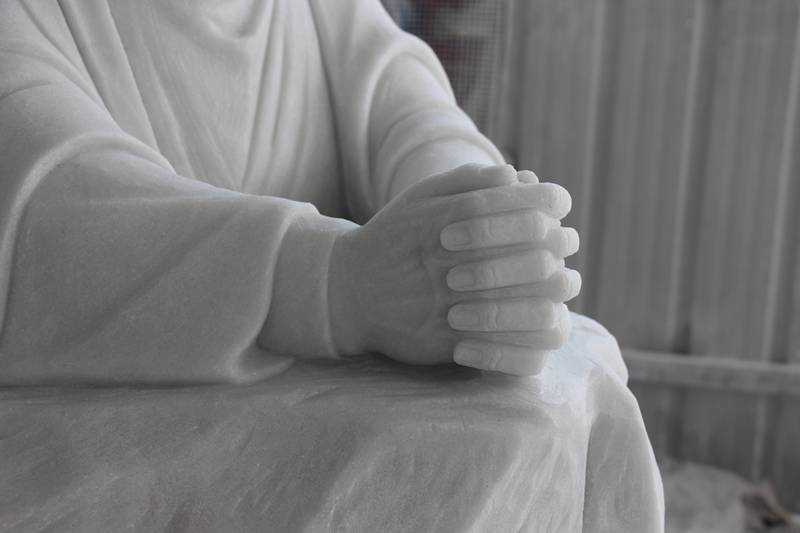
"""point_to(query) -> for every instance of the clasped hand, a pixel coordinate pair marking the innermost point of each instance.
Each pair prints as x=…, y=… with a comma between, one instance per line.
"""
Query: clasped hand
x=465, y=266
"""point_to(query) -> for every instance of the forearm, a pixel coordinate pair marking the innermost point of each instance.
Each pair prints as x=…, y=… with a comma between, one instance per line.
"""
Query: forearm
x=396, y=116
x=434, y=158
x=123, y=271
x=115, y=268
x=417, y=129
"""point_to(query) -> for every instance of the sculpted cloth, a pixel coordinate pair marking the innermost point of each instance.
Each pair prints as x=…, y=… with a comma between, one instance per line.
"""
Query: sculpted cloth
x=162, y=166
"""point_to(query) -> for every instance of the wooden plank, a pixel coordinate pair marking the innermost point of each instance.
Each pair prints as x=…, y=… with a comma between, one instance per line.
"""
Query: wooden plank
x=713, y=373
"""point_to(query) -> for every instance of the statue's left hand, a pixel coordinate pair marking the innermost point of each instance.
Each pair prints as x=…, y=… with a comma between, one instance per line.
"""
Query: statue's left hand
x=466, y=266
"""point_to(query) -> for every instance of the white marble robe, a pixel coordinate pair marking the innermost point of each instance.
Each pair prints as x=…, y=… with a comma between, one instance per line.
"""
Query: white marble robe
x=158, y=165
x=159, y=162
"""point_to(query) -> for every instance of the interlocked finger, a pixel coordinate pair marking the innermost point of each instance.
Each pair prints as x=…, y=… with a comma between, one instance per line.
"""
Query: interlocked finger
x=527, y=176
x=563, y=242
x=497, y=230
x=550, y=198
x=463, y=179
x=506, y=358
x=564, y=285
x=551, y=338
x=520, y=314
x=517, y=269
x=504, y=229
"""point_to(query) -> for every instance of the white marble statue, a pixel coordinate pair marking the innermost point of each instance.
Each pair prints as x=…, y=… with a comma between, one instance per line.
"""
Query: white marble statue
x=198, y=192
x=179, y=180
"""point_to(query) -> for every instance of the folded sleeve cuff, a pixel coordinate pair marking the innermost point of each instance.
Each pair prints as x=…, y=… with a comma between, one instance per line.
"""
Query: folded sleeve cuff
x=298, y=321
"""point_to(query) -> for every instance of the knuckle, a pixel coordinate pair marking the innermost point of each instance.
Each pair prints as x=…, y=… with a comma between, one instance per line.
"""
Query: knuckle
x=485, y=230
x=527, y=176
x=558, y=199
x=500, y=171
x=495, y=355
x=486, y=274
x=547, y=311
x=472, y=203
x=559, y=240
x=528, y=340
x=561, y=284
x=556, y=338
x=571, y=241
x=533, y=225
x=543, y=223
x=575, y=282
x=574, y=237
x=541, y=262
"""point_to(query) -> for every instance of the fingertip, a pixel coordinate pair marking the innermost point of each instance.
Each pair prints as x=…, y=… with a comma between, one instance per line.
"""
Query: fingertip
x=522, y=362
x=465, y=178
x=461, y=278
x=527, y=176
x=469, y=353
x=565, y=241
x=573, y=240
x=575, y=283
x=559, y=334
x=455, y=236
x=541, y=224
x=559, y=200
x=561, y=313
x=498, y=175
x=565, y=285
x=547, y=262
x=469, y=167
x=504, y=358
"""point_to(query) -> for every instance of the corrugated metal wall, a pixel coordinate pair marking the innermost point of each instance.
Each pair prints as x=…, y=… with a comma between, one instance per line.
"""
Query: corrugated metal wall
x=675, y=125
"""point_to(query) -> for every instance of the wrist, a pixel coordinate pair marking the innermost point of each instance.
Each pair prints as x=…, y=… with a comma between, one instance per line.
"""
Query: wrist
x=348, y=330
x=434, y=158
x=298, y=321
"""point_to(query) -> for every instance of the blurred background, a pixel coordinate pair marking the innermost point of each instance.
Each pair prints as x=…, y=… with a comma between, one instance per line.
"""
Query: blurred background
x=675, y=126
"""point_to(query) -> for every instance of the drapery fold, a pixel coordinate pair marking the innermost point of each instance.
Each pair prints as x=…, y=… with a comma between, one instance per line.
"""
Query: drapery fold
x=365, y=444
x=159, y=164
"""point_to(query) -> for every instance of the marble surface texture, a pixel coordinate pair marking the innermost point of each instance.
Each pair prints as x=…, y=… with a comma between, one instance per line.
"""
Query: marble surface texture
x=368, y=445
x=179, y=182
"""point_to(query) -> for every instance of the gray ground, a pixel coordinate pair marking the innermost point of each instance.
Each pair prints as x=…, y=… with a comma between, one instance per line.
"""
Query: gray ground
x=702, y=499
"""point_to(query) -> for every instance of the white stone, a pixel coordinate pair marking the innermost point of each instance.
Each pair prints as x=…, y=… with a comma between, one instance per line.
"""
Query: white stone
x=364, y=445
x=195, y=193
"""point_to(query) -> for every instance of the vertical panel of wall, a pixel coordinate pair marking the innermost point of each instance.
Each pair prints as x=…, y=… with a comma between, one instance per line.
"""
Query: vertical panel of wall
x=640, y=187
x=752, y=57
x=638, y=170
x=782, y=441
x=605, y=111
x=675, y=126
x=782, y=459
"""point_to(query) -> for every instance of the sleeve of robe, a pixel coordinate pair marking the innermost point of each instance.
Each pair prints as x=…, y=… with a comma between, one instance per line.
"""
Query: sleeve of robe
x=112, y=266
x=396, y=116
